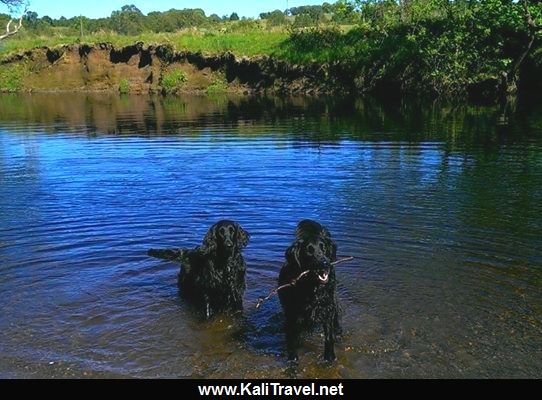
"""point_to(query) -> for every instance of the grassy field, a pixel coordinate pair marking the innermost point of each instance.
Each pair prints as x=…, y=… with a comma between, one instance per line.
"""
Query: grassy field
x=248, y=43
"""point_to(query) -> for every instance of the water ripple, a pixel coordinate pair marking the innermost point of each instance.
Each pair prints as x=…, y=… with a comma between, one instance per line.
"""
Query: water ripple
x=446, y=229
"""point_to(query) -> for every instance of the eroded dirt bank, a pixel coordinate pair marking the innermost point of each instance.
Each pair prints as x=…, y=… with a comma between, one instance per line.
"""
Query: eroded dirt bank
x=158, y=68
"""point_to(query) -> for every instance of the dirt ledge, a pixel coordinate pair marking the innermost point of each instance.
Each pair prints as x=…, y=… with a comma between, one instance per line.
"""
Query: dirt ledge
x=141, y=68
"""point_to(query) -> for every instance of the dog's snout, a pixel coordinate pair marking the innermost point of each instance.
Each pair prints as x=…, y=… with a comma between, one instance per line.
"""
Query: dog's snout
x=324, y=263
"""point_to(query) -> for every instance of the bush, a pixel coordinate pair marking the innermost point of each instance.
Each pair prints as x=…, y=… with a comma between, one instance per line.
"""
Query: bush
x=243, y=26
x=124, y=86
x=173, y=81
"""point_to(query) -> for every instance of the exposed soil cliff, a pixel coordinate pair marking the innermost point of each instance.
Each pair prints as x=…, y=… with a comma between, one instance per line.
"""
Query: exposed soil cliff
x=143, y=69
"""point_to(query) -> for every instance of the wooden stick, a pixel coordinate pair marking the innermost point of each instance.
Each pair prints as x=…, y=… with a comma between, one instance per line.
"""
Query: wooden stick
x=262, y=300
x=342, y=260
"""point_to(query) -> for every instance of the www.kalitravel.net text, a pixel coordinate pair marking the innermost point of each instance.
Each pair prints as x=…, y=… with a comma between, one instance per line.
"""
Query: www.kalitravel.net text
x=271, y=389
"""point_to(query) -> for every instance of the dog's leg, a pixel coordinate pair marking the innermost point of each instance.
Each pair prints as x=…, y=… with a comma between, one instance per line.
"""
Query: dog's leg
x=238, y=301
x=329, y=345
x=238, y=305
x=292, y=339
x=337, y=325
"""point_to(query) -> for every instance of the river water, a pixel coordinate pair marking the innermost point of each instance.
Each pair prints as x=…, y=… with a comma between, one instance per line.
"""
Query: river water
x=440, y=206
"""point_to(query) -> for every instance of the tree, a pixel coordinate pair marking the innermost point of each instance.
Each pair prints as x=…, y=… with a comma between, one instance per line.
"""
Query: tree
x=344, y=11
x=307, y=15
x=532, y=26
x=131, y=8
x=275, y=18
x=214, y=18
x=48, y=20
x=234, y=17
x=13, y=5
x=327, y=8
x=31, y=17
x=128, y=21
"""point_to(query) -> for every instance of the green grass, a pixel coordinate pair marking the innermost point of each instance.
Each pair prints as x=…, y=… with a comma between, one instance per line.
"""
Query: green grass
x=173, y=80
x=250, y=43
x=124, y=86
x=11, y=77
x=218, y=86
x=305, y=46
x=242, y=44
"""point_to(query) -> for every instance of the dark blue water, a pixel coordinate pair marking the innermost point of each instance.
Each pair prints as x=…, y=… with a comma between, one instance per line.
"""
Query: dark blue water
x=441, y=206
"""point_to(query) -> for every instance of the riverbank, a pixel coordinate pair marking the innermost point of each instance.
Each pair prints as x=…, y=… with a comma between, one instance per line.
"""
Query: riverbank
x=483, y=51
x=160, y=68
x=301, y=65
x=142, y=68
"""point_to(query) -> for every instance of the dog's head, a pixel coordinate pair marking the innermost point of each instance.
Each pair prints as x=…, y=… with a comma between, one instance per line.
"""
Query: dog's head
x=226, y=237
x=314, y=250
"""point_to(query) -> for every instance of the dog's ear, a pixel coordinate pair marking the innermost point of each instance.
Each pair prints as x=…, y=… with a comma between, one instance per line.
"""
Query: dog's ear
x=333, y=250
x=331, y=245
x=242, y=237
x=325, y=233
x=210, y=240
x=292, y=253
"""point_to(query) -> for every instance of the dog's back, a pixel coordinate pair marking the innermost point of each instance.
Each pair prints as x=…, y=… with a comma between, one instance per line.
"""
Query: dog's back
x=212, y=276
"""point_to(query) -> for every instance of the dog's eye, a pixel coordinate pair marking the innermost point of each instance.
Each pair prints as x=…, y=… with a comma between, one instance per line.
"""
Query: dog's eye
x=231, y=229
x=322, y=247
x=310, y=249
x=222, y=231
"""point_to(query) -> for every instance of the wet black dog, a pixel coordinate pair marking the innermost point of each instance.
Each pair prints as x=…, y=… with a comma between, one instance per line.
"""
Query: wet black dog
x=212, y=275
x=312, y=300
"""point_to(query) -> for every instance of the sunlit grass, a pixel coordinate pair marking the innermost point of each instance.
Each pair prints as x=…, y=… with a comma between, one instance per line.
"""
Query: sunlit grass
x=252, y=43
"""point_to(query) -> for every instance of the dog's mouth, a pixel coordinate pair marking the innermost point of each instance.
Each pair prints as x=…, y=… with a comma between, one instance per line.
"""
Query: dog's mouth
x=323, y=276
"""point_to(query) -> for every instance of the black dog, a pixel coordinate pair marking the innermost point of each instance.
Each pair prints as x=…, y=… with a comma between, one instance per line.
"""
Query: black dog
x=212, y=276
x=311, y=301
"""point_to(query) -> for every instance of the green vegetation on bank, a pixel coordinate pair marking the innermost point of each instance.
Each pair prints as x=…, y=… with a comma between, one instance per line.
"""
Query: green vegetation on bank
x=218, y=86
x=173, y=80
x=124, y=86
x=11, y=77
x=437, y=47
x=251, y=43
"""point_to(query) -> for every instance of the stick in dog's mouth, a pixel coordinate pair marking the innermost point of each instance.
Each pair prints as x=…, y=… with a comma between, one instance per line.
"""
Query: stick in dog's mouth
x=324, y=278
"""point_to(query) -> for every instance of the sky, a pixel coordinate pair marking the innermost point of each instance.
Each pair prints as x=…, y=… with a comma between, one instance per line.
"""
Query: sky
x=103, y=8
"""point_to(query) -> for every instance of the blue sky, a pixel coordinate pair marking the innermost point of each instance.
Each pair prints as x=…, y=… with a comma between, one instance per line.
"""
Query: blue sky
x=103, y=8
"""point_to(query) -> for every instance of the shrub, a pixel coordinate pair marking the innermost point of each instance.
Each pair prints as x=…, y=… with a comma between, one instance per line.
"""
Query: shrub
x=173, y=80
x=124, y=86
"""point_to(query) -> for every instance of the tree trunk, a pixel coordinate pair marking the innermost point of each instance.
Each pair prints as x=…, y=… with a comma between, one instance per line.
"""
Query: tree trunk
x=508, y=81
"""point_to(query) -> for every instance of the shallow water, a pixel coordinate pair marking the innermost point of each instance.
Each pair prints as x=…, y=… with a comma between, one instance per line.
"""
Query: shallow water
x=441, y=207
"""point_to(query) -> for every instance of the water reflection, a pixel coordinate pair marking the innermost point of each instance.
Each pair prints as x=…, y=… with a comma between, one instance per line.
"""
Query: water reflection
x=311, y=118
x=440, y=206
